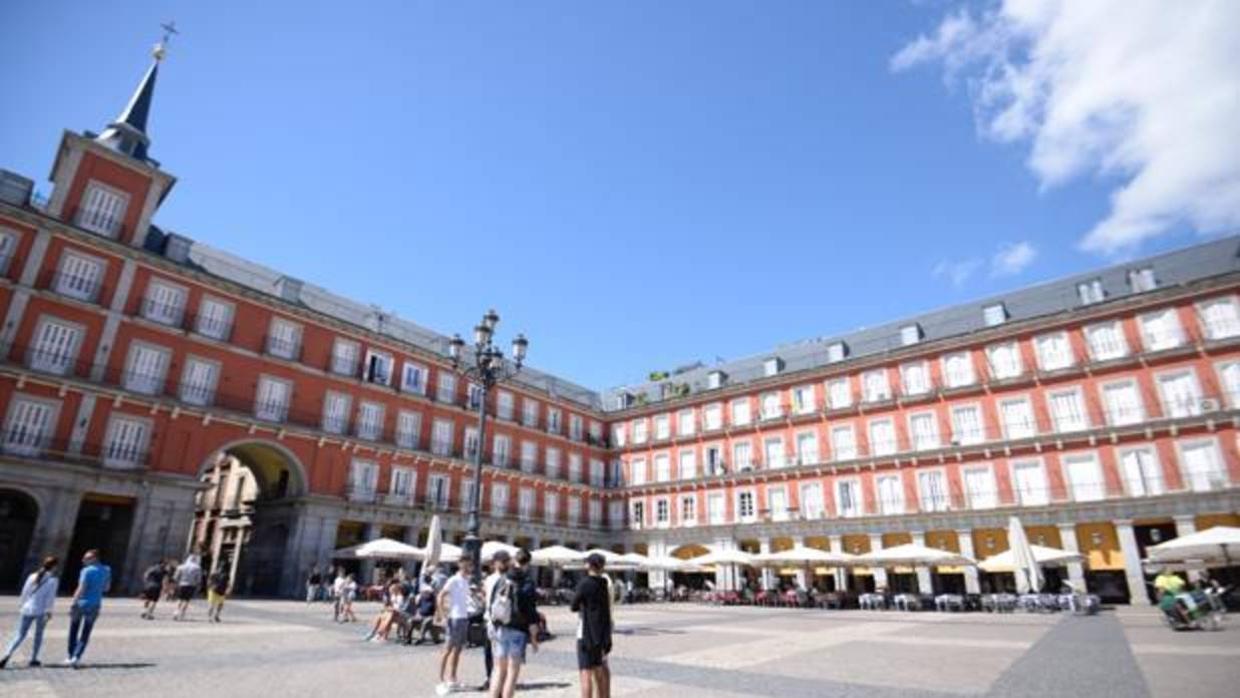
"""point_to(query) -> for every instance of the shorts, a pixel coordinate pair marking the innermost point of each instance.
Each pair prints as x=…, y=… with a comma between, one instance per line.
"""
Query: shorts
x=215, y=597
x=151, y=593
x=590, y=657
x=186, y=593
x=509, y=643
x=458, y=632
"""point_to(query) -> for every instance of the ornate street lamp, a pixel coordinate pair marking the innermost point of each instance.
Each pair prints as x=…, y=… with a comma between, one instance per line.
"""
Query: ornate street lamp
x=487, y=368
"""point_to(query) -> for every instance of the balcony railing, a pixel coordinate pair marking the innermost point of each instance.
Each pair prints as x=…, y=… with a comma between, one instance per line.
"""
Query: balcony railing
x=76, y=286
x=98, y=221
x=283, y=348
x=211, y=326
x=171, y=314
x=24, y=443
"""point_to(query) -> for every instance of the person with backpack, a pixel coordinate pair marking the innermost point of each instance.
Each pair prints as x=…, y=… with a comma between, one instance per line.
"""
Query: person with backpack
x=38, y=597
x=152, y=586
x=514, y=614
x=592, y=601
x=499, y=570
x=217, y=591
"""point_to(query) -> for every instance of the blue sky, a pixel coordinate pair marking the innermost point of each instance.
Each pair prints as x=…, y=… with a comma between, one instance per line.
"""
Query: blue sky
x=634, y=185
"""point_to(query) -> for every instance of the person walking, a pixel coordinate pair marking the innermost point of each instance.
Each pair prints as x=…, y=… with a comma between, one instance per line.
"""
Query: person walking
x=93, y=582
x=312, y=586
x=350, y=595
x=38, y=597
x=453, y=603
x=338, y=594
x=499, y=569
x=514, y=612
x=217, y=591
x=592, y=602
x=188, y=578
x=152, y=586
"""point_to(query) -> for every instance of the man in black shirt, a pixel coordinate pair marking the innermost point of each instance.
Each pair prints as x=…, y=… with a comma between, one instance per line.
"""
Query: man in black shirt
x=152, y=584
x=592, y=601
x=515, y=597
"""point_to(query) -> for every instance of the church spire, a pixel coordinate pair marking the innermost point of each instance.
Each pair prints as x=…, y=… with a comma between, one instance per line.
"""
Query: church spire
x=127, y=134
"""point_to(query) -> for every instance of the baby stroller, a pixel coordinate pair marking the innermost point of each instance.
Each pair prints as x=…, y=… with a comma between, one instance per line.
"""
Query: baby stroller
x=1193, y=610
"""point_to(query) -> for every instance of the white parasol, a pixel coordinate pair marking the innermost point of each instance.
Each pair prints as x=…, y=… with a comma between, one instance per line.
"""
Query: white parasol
x=555, y=556
x=434, y=543
x=1219, y=544
x=1025, y=566
x=911, y=554
x=1045, y=557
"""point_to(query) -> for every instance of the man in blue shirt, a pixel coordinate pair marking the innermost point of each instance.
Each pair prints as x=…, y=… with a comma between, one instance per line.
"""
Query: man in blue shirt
x=93, y=582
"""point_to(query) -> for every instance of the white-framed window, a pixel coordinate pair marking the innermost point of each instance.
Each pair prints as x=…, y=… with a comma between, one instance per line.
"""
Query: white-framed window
x=932, y=490
x=438, y=491
x=529, y=412
x=1018, y=418
x=876, y=386
x=408, y=429
x=598, y=473
x=1054, y=351
x=688, y=510
x=1004, y=360
x=473, y=396
x=102, y=209
x=740, y=412
x=662, y=467
x=1219, y=318
x=271, y=398
x=848, y=497
x=8, y=246
x=363, y=479
x=637, y=471
x=685, y=423
x=445, y=391
x=525, y=503
x=29, y=425
x=1090, y=292
x=1141, y=471
x=615, y=513
x=164, y=303
x=958, y=370
x=336, y=406
x=574, y=467
x=687, y=465
x=882, y=437
x=777, y=502
x=79, y=276
x=771, y=405
x=836, y=352
x=1067, y=409
x=994, y=314
x=505, y=405
x=596, y=431
x=712, y=416
x=198, y=380
x=378, y=367
x=465, y=494
x=843, y=442
x=575, y=427
x=803, y=400
x=443, y=437
x=839, y=393
x=1123, y=403
x=596, y=513
x=915, y=378
x=499, y=499
x=662, y=427
x=746, y=506
x=1201, y=465
x=553, y=462
x=56, y=346
x=403, y=484
x=774, y=451
x=807, y=448
x=979, y=487
x=414, y=378
x=1229, y=381
x=1141, y=280
x=554, y=424
x=1181, y=395
x=345, y=355
x=967, y=427
x=716, y=510
x=1029, y=482
x=924, y=428
x=1084, y=475
x=641, y=430
x=812, y=506
x=146, y=368
x=215, y=318
x=551, y=507
x=890, y=494
x=501, y=450
x=574, y=511
x=1161, y=330
x=370, y=420
x=528, y=455
x=713, y=459
x=127, y=441
x=662, y=512
x=1106, y=341
x=284, y=339
x=742, y=455
x=910, y=335
x=637, y=513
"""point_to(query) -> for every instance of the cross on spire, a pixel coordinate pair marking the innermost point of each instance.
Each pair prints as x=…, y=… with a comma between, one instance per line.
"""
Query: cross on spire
x=170, y=28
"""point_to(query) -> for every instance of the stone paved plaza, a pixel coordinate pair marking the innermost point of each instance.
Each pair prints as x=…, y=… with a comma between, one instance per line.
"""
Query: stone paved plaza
x=279, y=648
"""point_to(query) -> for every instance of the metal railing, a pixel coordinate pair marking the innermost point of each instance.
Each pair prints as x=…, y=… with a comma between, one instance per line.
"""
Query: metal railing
x=96, y=220
x=164, y=313
x=76, y=286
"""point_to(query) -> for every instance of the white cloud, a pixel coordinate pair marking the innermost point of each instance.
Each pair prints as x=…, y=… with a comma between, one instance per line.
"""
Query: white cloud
x=1143, y=92
x=956, y=272
x=1012, y=259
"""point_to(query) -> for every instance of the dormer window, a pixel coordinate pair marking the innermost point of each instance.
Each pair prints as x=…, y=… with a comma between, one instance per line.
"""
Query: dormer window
x=1142, y=280
x=716, y=379
x=772, y=366
x=1090, y=291
x=623, y=400
x=994, y=314
x=836, y=352
x=910, y=334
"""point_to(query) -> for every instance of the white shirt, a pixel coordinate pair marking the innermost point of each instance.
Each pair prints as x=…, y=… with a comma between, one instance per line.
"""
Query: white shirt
x=38, y=598
x=488, y=586
x=457, y=589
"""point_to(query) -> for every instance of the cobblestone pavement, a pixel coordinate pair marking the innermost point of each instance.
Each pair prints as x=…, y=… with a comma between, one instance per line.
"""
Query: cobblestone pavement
x=279, y=648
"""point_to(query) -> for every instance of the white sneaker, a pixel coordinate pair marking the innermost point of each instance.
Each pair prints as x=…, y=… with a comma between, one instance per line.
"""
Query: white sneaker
x=443, y=689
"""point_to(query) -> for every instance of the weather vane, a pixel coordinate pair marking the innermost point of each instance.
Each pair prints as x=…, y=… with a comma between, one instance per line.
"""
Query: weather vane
x=169, y=28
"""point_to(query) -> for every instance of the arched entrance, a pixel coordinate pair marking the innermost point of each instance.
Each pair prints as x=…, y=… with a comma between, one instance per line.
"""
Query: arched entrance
x=18, y=514
x=243, y=519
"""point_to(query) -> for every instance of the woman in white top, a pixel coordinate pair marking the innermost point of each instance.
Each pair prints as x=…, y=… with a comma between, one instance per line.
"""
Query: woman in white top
x=38, y=597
